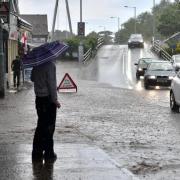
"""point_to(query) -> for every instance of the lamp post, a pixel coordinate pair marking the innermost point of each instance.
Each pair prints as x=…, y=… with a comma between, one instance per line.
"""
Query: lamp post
x=112, y=17
x=134, y=16
x=153, y=22
x=80, y=48
x=2, y=73
x=104, y=28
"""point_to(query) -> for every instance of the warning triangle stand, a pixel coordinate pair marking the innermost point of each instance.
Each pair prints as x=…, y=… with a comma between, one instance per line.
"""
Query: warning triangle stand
x=66, y=84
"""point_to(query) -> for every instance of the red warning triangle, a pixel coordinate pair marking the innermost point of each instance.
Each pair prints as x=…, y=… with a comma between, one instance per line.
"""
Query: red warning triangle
x=67, y=83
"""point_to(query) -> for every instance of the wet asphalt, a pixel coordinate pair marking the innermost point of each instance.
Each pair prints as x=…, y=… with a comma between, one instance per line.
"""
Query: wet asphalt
x=111, y=110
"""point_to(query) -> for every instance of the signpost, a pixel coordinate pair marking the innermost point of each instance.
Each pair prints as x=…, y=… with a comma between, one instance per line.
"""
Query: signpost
x=81, y=28
x=67, y=83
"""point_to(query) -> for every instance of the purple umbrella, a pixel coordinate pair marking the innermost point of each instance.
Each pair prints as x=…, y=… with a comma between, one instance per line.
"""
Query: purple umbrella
x=43, y=54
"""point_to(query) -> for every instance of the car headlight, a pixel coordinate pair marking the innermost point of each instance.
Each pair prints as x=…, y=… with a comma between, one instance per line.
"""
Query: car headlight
x=152, y=77
x=171, y=77
x=140, y=69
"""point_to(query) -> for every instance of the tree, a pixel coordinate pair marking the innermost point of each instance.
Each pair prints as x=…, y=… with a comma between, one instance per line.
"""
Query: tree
x=169, y=20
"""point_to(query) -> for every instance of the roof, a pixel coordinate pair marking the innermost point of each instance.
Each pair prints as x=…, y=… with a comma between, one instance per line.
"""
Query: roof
x=38, y=21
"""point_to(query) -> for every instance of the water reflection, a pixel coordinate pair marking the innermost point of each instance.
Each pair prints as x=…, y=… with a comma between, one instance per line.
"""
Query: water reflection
x=43, y=170
x=139, y=86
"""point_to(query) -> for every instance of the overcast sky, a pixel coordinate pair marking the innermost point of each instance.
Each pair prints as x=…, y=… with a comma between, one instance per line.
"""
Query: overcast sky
x=96, y=13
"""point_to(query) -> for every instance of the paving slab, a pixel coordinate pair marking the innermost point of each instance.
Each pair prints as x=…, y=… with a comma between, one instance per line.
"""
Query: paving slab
x=74, y=162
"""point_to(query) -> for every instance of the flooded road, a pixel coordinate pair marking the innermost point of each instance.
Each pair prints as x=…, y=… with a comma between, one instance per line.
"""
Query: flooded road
x=111, y=110
x=114, y=65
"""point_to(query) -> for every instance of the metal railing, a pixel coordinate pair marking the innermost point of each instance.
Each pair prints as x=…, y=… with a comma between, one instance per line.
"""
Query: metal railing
x=90, y=52
x=160, y=51
x=87, y=55
x=100, y=42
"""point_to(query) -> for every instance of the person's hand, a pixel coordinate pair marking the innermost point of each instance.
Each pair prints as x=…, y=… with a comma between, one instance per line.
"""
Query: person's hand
x=58, y=105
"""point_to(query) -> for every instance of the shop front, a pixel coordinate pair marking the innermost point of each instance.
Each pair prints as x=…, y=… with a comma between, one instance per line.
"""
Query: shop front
x=19, y=33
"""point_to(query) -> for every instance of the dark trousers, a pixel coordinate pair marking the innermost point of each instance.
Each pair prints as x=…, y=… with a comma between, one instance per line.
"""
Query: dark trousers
x=43, y=137
x=16, y=75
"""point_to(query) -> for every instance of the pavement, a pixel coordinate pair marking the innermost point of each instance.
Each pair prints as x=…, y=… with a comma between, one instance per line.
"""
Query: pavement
x=76, y=161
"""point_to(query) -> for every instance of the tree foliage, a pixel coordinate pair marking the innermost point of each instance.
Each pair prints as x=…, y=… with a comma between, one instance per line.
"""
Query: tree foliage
x=165, y=16
x=89, y=41
x=169, y=20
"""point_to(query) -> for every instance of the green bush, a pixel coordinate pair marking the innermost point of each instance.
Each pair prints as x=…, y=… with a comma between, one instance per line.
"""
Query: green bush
x=89, y=41
x=177, y=50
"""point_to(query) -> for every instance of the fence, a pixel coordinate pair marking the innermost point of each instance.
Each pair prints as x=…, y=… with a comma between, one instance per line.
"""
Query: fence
x=90, y=52
x=160, y=51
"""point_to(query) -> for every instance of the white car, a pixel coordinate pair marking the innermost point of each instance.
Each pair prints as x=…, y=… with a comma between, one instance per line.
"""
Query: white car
x=176, y=61
x=175, y=93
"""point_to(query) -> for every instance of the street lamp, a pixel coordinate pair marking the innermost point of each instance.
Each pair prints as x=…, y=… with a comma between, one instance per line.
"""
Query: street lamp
x=2, y=77
x=134, y=16
x=104, y=28
x=153, y=21
x=80, y=48
x=112, y=17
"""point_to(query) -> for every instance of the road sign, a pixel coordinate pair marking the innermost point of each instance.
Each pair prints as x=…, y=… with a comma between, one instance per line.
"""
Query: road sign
x=81, y=28
x=67, y=83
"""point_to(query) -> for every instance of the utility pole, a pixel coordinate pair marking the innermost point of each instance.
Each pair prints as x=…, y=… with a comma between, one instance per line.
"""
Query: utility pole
x=135, y=19
x=80, y=10
x=80, y=48
x=54, y=19
x=69, y=17
x=153, y=21
x=2, y=67
x=118, y=23
x=134, y=7
x=118, y=20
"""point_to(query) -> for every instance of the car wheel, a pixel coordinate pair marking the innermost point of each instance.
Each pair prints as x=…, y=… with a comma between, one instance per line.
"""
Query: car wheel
x=137, y=76
x=174, y=107
x=146, y=85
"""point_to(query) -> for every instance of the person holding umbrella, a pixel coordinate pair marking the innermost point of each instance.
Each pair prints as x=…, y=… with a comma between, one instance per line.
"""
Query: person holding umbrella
x=44, y=77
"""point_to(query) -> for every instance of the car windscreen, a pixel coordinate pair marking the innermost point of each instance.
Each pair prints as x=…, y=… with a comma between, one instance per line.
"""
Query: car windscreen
x=160, y=67
x=177, y=59
x=146, y=60
x=136, y=38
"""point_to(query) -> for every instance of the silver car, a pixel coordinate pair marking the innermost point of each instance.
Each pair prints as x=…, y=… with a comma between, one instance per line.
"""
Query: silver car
x=175, y=93
x=159, y=74
x=176, y=61
x=136, y=40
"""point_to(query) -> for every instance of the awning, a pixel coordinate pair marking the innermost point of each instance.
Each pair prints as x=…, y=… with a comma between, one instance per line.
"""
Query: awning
x=24, y=24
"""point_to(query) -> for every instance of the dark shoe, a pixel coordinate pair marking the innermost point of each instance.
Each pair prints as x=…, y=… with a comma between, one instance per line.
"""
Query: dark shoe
x=50, y=156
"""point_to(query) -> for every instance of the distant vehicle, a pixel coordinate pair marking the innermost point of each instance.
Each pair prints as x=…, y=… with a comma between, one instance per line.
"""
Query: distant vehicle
x=136, y=40
x=176, y=61
x=175, y=93
x=142, y=66
x=159, y=74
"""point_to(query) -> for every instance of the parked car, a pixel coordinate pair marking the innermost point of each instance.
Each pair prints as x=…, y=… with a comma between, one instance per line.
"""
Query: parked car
x=175, y=93
x=159, y=74
x=136, y=40
x=142, y=65
x=176, y=61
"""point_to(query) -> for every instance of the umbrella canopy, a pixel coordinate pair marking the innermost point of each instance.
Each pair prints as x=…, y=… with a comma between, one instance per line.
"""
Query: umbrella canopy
x=43, y=54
